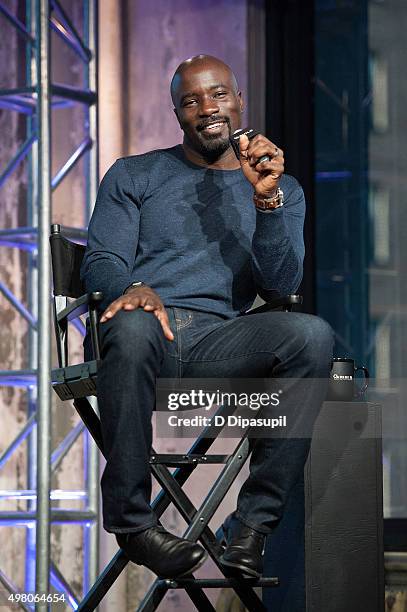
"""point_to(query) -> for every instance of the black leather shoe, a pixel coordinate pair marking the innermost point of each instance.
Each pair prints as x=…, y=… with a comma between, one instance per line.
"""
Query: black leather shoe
x=244, y=548
x=165, y=554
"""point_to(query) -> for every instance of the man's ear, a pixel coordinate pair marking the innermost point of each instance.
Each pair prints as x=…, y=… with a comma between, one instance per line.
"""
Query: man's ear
x=239, y=95
x=176, y=114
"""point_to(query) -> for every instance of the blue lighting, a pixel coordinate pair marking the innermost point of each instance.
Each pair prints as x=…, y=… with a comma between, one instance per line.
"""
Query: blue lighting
x=334, y=175
x=60, y=585
x=56, y=494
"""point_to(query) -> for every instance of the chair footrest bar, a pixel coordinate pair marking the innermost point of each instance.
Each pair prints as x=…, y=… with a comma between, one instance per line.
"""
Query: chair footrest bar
x=174, y=460
x=217, y=583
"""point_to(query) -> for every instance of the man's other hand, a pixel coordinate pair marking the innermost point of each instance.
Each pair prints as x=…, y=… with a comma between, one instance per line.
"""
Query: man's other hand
x=140, y=297
x=264, y=176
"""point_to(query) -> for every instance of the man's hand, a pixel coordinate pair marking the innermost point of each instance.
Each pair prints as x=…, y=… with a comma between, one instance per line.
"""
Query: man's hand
x=264, y=176
x=140, y=297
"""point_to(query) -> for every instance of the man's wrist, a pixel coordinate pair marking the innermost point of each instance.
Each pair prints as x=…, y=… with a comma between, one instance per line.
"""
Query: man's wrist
x=269, y=203
x=134, y=285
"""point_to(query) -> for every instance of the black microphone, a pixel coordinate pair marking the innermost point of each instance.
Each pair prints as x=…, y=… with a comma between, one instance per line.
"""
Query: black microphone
x=250, y=133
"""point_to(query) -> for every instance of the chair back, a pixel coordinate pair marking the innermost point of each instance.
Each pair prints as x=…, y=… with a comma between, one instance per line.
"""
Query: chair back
x=67, y=259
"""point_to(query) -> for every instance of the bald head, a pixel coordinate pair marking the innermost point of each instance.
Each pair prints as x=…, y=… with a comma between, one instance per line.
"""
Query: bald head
x=195, y=64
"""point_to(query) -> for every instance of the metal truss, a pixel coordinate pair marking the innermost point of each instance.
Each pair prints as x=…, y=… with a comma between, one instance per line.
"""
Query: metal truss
x=37, y=100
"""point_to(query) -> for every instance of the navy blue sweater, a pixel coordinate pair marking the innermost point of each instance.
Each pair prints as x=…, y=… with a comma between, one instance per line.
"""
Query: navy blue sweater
x=192, y=234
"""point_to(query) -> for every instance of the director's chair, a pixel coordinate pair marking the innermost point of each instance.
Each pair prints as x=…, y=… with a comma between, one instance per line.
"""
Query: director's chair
x=79, y=382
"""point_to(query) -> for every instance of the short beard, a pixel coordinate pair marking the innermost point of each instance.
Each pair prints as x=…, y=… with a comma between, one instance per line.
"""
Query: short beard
x=212, y=149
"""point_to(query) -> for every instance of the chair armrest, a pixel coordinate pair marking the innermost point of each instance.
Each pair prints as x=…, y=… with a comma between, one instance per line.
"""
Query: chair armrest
x=75, y=381
x=62, y=315
x=285, y=301
x=86, y=302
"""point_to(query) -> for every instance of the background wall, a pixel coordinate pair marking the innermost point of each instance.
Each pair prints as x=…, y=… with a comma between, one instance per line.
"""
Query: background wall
x=141, y=45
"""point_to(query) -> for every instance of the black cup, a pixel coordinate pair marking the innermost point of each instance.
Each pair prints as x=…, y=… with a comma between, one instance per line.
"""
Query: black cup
x=342, y=387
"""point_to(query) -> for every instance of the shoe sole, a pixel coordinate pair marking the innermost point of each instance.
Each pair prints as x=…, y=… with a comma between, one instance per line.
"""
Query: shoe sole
x=242, y=568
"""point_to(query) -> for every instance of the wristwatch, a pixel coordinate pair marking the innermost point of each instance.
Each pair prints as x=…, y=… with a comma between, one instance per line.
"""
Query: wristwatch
x=269, y=204
x=135, y=284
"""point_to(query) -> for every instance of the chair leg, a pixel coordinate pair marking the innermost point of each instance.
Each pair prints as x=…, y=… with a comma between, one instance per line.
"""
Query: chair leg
x=103, y=583
x=161, y=502
x=198, y=520
x=91, y=420
x=198, y=527
x=201, y=603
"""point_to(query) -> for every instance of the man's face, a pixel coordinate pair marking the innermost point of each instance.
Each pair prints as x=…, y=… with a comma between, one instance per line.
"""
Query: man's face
x=208, y=107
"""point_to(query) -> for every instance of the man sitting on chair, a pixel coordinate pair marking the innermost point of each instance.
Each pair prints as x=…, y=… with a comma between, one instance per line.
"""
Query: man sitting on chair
x=180, y=242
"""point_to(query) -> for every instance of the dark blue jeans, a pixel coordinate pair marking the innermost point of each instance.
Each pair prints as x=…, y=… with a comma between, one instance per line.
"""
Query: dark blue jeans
x=135, y=352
